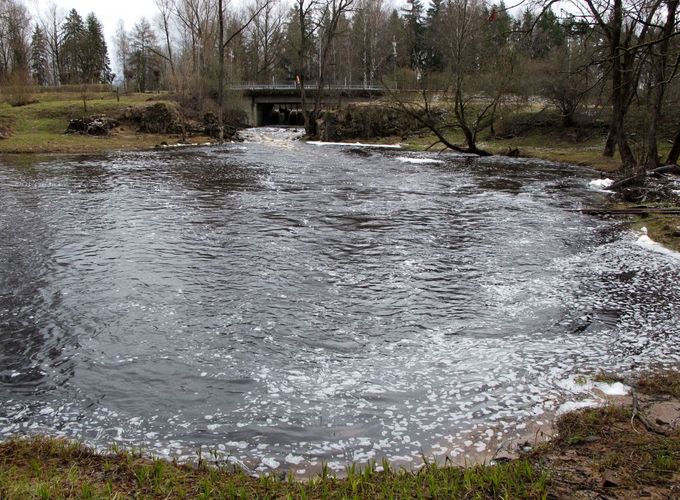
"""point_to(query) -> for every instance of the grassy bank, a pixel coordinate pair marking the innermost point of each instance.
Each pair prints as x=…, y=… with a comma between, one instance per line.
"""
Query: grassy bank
x=39, y=127
x=46, y=468
x=623, y=451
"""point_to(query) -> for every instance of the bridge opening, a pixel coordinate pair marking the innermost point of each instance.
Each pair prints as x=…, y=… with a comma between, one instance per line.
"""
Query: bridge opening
x=279, y=114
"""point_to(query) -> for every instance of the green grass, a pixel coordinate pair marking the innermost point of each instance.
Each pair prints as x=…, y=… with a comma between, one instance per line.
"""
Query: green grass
x=48, y=468
x=39, y=127
x=544, y=145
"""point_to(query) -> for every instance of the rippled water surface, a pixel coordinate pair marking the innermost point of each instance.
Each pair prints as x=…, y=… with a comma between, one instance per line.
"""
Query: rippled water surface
x=288, y=303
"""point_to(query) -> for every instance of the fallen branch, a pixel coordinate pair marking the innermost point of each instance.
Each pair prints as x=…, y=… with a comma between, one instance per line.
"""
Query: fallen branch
x=628, y=211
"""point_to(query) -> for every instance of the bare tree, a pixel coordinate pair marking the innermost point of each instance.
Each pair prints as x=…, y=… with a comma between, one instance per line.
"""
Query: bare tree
x=50, y=20
x=469, y=91
x=14, y=38
x=625, y=28
x=332, y=12
x=223, y=45
x=265, y=36
x=304, y=10
x=166, y=9
x=662, y=72
x=121, y=43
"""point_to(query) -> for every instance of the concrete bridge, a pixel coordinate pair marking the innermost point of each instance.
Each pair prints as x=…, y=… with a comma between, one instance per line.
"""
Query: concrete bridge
x=280, y=103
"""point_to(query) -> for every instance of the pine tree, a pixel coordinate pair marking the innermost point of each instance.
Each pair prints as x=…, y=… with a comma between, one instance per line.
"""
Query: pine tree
x=72, y=49
x=499, y=24
x=96, y=66
x=413, y=17
x=435, y=58
x=39, y=58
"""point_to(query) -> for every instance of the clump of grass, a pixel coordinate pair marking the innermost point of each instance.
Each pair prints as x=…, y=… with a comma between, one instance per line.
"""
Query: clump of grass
x=662, y=382
x=581, y=426
x=607, y=377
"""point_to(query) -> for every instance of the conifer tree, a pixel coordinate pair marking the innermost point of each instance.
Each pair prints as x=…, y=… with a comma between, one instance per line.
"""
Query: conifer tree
x=413, y=17
x=96, y=65
x=435, y=58
x=72, y=48
x=39, y=57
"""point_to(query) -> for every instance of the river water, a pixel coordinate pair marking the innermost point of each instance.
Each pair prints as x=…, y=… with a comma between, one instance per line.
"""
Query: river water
x=288, y=304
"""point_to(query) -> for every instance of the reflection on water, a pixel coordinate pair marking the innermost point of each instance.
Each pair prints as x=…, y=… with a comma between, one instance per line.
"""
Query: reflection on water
x=288, y=303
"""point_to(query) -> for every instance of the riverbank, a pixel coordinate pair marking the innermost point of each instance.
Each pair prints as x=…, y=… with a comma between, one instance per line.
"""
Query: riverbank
x=39, y=127
x=624, y=450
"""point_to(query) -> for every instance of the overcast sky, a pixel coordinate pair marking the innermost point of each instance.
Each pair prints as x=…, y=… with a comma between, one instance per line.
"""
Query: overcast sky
x=108, y=11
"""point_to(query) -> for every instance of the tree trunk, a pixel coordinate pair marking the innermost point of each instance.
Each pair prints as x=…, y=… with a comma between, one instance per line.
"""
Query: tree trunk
x=610, y=143
x=675, y=149
x=302, y=52
x=652, y=153
x=618, y=98
x=170, y=58
x=220, y=85
x=651, y=149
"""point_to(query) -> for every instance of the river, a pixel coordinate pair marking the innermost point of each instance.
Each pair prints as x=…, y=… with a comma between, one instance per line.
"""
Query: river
x=287, y=304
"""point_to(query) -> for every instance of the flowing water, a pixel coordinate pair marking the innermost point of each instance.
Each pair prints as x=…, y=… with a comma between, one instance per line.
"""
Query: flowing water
x=287, y=304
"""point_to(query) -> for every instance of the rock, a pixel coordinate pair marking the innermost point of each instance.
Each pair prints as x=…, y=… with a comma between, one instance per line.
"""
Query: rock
x=5, y=132
x=76, y=126
x=231, y=121
x=666, y=413
x=96, y=125
x=610, y=479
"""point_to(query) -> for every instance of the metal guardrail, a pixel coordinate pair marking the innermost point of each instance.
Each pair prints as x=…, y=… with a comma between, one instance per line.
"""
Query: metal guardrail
x=308, y=86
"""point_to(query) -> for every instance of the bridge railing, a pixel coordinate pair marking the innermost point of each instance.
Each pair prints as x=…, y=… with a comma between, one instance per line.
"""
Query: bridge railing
x=308, y=86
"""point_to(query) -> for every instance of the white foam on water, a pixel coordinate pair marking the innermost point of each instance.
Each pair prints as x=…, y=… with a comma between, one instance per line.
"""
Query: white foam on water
x=355, y=144
x=406, y=159
x=241, y=445
x=647, y=243
x=614, y=389
x=271, y=463
x=279, y=137
x=601, y=184
x=294, y=459
x=570, y=406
